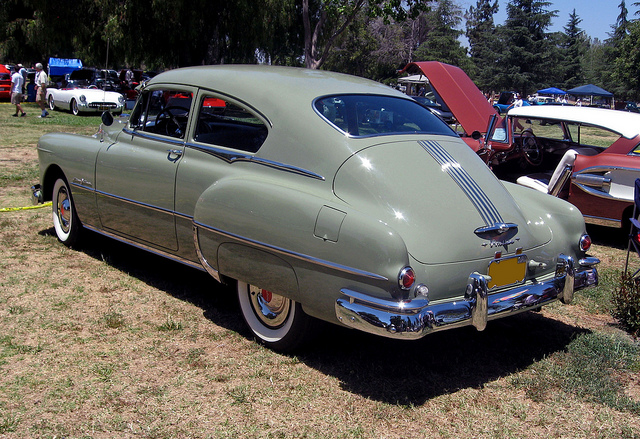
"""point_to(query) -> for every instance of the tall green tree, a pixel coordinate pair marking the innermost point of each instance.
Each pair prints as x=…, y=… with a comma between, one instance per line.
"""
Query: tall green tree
x=529, y=55
x=627, y=64
x=441, y=42
x=574, y=46
x=483, y=42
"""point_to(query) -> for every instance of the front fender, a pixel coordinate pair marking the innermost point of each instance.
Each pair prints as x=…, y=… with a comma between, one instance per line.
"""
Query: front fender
x=73, y=157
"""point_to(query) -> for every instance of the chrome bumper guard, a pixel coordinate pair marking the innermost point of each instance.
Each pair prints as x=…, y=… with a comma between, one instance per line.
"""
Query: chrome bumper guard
x=413, y=319
x=36, y=195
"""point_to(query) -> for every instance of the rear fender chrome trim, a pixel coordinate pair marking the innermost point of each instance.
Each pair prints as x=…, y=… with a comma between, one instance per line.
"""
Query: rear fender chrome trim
x=196, y=241
x=292, y=254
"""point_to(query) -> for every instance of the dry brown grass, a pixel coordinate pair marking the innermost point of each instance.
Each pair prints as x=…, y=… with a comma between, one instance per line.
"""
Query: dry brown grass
x=106, y=341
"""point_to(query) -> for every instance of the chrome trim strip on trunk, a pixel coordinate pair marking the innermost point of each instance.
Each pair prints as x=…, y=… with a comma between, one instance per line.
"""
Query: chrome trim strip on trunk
x=296, y=255
x=463, y=179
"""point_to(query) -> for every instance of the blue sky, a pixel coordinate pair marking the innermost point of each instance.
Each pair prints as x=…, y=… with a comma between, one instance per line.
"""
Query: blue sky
x=597, y=15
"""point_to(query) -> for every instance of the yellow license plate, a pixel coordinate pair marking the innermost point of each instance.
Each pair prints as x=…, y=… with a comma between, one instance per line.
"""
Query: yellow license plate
x=507, y=271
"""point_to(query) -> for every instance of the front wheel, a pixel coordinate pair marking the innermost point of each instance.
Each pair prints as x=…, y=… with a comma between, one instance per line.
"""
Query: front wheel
x=65, y=218
x=278, y=322
x=52, y=104
x=74, y=107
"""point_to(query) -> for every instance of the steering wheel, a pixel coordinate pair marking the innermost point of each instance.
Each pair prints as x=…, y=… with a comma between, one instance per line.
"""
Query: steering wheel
x=172, y=116
x=531, y=148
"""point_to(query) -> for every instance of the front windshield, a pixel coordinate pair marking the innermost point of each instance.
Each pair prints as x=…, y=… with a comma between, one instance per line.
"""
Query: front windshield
x=372, y=115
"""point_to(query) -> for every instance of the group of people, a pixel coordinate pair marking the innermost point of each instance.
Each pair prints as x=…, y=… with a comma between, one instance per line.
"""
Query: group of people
x=18, y=85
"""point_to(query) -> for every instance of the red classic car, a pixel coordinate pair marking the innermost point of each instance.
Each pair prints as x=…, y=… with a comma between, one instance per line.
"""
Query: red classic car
x=543, y=147
x=600, y=153
x=475, y=114
x=5, y=83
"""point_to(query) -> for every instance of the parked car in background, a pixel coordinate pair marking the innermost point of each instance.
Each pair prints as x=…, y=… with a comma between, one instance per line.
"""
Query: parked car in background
x=439, y=110
x=319, y=196
x=79, y=99
x=491, y=135
x=5, y=83
x=91, y=78
x=593, y=158
x=107, y=79
x=506, y=100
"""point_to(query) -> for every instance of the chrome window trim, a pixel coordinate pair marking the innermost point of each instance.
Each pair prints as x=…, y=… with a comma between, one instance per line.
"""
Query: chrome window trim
x=351, y=136
x=149, y=136
x=235, y=156
x=296, y=255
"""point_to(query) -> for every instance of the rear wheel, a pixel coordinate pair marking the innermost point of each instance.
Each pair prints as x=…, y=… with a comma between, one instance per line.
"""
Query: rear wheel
x=52, y=105
x=278, y=322
x=65, y=218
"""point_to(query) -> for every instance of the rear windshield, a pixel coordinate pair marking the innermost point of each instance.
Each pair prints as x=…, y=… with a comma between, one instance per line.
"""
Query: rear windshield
x=367, y=115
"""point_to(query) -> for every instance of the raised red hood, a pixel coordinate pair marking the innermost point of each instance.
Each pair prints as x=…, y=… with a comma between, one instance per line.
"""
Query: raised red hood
x=459, y=93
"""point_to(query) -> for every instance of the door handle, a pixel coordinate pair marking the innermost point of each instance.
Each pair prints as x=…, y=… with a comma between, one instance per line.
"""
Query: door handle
x=173, y=155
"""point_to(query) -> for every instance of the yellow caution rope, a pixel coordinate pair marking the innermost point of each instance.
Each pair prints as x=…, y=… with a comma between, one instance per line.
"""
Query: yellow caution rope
x=14, y=209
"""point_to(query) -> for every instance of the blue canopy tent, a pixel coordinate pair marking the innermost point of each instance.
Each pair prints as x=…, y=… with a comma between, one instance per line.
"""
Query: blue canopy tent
x=551, y=91
x=591, y=91
x=62, y=66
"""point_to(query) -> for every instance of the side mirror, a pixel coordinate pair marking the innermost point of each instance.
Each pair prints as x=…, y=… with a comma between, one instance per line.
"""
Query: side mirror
x=476, y=135
x=107, y=119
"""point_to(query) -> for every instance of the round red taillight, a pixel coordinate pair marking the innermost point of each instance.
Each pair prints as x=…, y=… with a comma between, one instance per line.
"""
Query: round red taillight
x=406, y=278
x=585, y=243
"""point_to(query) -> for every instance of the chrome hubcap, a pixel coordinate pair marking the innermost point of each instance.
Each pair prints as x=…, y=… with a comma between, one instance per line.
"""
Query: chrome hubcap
x=271, y=309
x=64, y=210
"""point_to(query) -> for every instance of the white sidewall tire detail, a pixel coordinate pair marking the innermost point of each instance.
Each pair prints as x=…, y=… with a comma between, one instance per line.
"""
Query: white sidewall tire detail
x=66, y=233
x=266, y=334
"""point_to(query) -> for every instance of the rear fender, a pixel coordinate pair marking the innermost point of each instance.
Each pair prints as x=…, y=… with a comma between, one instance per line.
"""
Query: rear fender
x=294, y=242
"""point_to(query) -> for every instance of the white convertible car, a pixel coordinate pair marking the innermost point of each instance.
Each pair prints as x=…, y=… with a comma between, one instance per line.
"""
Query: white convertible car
x=84, y=100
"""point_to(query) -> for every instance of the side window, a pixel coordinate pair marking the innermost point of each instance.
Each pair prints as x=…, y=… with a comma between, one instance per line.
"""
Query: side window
x=163, y=112
x=547, y=129
x=226, y=124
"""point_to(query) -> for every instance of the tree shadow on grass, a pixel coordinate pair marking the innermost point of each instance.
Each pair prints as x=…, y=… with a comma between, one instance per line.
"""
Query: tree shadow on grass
x=382, y=369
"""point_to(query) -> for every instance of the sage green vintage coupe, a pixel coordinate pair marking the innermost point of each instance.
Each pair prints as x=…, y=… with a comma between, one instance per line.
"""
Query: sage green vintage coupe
x=321, y=196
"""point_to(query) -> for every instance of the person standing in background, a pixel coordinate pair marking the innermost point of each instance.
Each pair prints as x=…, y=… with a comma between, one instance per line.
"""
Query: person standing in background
x=17, y=81
x=41, y=89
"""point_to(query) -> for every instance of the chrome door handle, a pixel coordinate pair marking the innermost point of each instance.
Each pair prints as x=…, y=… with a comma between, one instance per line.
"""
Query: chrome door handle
x=173, y=154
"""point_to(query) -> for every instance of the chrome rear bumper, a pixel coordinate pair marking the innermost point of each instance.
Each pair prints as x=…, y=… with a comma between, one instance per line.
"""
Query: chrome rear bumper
x=412, y=319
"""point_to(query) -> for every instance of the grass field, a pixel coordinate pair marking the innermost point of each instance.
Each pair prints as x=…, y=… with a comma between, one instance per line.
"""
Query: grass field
x=106, y=341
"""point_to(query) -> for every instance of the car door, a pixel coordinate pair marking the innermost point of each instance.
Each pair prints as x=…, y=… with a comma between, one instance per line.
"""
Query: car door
x=135, y=177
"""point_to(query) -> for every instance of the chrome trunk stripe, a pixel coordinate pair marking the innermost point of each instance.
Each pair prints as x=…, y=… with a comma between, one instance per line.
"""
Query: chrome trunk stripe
x=469, y=186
